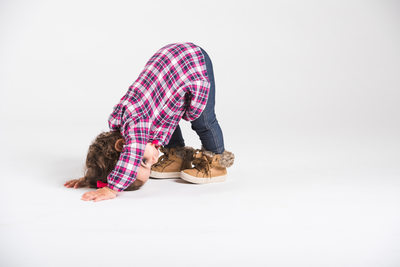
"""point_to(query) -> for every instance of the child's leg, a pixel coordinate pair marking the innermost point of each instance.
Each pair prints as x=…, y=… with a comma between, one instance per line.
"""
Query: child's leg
x=176, y=139
x=211, y=162
x=206, y=126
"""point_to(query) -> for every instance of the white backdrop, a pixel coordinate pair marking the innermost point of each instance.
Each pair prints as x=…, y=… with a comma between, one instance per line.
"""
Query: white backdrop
x=307, y=96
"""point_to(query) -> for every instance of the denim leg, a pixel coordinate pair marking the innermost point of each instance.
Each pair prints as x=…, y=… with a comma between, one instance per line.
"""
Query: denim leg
x=207, y=126
x=176, y=138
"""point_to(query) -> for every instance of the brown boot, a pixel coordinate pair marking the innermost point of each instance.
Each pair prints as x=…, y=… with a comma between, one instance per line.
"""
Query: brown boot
x=170, y=164
x=209, y=167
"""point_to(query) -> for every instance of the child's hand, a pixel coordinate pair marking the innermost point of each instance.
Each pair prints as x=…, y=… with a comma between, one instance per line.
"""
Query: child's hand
x=103, y=193
x=76, y=183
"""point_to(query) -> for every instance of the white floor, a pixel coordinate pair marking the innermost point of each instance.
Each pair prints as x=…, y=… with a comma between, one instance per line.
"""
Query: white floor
x=301, y=202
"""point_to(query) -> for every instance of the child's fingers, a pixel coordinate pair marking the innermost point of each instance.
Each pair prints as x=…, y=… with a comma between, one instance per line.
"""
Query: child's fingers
x=98, y=199
x=102, y=197
x=77, y=184
x=70, y=183
x=99, y=196
x=88, y=196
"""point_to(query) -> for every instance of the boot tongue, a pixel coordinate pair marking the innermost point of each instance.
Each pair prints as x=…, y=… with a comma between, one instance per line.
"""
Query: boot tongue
x=209, y=158
x=201, y=162
x=198, y=154
x=215, y=161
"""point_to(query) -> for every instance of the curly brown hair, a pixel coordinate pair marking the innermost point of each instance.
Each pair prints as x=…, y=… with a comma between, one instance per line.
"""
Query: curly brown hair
x=101, y=159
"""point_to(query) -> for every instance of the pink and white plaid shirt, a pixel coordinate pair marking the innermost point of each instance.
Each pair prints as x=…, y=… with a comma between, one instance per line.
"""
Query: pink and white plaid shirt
x=173, y=84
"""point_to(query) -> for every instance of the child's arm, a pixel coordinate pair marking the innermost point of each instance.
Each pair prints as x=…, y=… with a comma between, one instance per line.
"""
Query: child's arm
x=136, y=135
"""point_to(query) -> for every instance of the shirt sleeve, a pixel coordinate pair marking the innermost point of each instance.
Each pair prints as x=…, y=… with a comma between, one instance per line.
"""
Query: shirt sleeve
x=196, y=99
x=136, y=135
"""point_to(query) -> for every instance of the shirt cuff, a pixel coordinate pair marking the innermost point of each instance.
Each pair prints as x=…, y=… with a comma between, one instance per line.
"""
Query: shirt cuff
x=115, y=188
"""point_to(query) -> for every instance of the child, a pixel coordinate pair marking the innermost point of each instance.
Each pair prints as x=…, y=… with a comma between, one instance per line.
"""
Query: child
x=177, y=82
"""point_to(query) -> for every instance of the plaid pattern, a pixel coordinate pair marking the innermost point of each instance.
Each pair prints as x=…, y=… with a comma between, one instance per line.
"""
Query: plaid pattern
x=173, y=85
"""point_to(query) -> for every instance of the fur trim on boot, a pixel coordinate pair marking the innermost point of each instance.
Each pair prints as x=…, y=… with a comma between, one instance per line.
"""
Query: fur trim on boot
x=227, y=158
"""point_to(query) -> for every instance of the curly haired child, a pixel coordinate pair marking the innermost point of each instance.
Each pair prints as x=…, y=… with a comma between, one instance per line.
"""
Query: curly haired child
x=177, y=82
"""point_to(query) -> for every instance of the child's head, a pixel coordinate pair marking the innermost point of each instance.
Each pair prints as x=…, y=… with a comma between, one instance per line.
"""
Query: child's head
x=104, y=153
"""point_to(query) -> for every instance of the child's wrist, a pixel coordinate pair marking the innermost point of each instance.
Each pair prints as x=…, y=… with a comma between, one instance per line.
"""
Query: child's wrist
x=111, y=190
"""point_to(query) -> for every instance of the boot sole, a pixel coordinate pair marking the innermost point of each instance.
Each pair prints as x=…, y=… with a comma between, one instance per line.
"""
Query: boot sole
x=197, y=180
x=165, y=175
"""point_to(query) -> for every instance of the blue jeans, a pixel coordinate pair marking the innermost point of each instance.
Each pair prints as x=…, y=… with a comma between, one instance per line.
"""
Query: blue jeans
x=206, y=126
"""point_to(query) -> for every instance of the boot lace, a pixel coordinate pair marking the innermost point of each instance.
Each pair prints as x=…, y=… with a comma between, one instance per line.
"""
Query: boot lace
x=202, y=164
x=163, y=159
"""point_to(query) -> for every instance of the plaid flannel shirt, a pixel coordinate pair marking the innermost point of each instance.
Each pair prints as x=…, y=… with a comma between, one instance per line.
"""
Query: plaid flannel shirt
x=173, y=84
